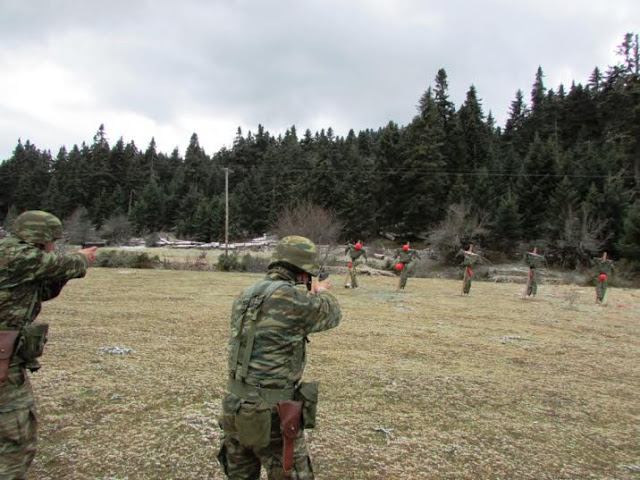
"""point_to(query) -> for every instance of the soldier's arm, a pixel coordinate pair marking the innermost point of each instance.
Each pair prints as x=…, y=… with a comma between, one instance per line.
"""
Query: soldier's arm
x=53, y=267
x=324, y=310
x=312, y=312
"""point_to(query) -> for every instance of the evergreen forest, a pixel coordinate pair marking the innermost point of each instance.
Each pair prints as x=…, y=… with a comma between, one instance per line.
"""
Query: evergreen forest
x=563, y=173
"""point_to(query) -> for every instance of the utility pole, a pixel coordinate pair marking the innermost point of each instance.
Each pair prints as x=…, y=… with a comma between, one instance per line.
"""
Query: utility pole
x=226, y=211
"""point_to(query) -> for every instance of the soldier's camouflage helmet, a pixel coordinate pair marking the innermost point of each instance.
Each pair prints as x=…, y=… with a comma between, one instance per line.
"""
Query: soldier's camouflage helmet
x=37, y=227
x=299, y=252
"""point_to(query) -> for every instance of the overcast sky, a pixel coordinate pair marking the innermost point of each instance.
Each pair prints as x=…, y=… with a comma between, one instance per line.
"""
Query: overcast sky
x=166, y=69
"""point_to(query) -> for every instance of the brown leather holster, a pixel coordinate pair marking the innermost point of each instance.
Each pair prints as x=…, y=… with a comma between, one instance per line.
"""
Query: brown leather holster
x=290, y=413
x=7, y=344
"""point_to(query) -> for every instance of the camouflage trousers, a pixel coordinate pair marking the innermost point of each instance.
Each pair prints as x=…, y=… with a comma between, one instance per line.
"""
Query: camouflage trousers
x=601, y=290
x=354, y=276
x=243, y=463
x=532, y=285
x=18, y=439
x=404, y=276
x=466, y=281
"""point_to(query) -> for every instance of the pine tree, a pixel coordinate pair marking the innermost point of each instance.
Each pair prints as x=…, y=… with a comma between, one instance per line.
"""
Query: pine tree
x=506, y=231
x=629, y=244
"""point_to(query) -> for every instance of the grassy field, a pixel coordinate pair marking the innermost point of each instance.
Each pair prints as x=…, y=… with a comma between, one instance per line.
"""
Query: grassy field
x=416, y=384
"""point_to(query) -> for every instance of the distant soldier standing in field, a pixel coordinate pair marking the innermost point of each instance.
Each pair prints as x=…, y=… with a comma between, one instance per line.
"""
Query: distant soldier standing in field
x=534, y=260
x=355, y=251
x=604, y=268
x=468, y=261
x=405, y=257
x=268, y=406
x=30, y=273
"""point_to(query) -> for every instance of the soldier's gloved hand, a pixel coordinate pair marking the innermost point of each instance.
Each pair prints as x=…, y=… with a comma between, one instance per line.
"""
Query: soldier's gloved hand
x=90, y=253
x=318, y=287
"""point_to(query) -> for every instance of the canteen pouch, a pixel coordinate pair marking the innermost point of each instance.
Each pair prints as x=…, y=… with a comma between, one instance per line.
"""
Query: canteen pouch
x=7, y=344
x=307, y=392
x=253, y=423
x=34, y=338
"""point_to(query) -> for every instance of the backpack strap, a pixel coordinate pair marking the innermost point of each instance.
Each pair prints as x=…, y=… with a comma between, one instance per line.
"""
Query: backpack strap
x=249, y=319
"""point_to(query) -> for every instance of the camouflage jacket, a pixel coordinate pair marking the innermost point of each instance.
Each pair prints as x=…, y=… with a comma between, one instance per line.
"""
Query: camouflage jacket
x=28, y=277
x=470, y=259
x=406, y=257
x=602, y=266
x=534, y=260
x=354, y=253
x=282, y=325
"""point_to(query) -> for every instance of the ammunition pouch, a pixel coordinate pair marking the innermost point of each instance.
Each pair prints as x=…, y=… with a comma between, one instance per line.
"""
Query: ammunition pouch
x=307, y=393
x=253, y=424
x=31, y=345
x=8, y=340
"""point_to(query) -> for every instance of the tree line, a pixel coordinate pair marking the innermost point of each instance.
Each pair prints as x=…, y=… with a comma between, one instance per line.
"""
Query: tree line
x=563, y=173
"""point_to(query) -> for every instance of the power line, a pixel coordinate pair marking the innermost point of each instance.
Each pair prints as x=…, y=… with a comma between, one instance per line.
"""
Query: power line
x=270, y=172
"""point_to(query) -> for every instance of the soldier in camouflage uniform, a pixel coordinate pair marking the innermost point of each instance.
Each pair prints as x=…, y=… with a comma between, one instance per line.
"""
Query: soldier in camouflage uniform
x=405, y=257
x=270, y=322
x=355, y=251
x=30, y=273
x=468, y=261
x=604, y=268
x=534, y=260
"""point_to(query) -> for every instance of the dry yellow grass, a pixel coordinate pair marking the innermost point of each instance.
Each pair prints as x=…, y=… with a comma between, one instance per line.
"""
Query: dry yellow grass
x=487, y=386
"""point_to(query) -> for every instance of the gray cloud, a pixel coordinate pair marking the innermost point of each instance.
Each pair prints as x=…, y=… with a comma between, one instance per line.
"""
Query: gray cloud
x=354, y=64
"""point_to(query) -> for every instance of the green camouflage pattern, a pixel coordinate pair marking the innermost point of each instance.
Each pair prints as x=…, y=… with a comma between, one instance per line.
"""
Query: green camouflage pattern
x=532, y=283
x=406, y=258
x=354, y=255
x=277, y=361
x=28, y=277
x=18, y=442
x=534, y=260
x=37, y=227
x=353, y=277
x=299, y=252
x=469, y=259
x=602, y=267
x=241, y=463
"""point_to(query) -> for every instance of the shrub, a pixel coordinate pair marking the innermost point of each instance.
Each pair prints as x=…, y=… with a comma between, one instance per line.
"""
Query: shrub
x=254, y=264
x=122, y=259
x=228, y=262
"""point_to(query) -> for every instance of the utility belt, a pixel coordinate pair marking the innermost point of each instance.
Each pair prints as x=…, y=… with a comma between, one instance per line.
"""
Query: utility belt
x=253, y=394
x=22, y=347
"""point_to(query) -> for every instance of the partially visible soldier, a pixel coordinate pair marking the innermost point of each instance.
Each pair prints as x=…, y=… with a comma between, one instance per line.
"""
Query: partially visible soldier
x=355, y=251
x=30, y=273
x=604, y=268
x=534, y=260
x=468, y=261
x=268, y=406
x=405, y=256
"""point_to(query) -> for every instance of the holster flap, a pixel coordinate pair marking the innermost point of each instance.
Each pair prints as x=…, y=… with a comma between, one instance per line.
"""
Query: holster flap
x=290, y=417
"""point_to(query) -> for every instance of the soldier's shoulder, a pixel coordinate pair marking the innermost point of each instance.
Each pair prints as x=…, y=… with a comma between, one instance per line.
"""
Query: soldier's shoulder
x=14, y=247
